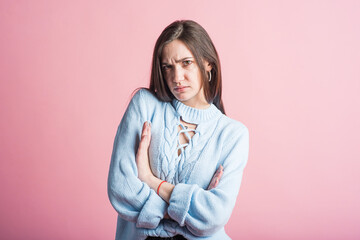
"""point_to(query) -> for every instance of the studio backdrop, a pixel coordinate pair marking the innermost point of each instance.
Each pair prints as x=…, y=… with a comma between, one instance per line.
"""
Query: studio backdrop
x=290, y=74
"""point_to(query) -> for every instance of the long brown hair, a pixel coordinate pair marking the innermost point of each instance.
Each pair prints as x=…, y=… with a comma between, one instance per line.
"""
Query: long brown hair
x=198, y=41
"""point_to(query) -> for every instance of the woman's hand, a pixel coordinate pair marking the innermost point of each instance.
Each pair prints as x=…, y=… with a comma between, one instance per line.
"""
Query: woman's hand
x=143, y=165
x=216, y=178
x=142, y=155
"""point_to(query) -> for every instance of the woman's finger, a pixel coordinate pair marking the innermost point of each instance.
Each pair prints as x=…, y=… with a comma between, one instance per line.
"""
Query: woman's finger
x=149, y=131
x=144, y=129
x=221, y=171
x=211, y=185
x=146, y=132
x=216, y=178
x=144, y=141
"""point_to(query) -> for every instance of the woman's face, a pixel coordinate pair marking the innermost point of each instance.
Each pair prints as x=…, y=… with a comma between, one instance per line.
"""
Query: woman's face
x=182, y=74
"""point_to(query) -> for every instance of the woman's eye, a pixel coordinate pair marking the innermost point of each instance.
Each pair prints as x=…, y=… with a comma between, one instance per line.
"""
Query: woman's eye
x=187, y=62
x=165, y=67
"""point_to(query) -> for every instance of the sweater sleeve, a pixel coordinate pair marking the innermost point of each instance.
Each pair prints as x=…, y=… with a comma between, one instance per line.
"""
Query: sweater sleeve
x=132, y=199
x=204, y=212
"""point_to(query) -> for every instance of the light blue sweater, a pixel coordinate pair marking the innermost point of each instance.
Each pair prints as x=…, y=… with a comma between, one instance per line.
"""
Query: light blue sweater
x=195, y=212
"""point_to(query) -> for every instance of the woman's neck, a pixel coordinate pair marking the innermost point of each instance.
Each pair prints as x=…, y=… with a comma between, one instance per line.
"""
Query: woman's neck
x=197, y=104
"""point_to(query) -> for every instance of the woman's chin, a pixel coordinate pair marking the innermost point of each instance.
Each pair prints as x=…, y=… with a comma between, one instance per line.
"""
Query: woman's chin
x=181, y=97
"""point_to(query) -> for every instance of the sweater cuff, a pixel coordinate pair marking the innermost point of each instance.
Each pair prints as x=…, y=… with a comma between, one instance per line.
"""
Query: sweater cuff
x=152, y=212
x=179, y=202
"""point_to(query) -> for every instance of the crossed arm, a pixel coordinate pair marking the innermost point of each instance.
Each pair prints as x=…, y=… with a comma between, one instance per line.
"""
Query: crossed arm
x=145, y=174
x=132, y=187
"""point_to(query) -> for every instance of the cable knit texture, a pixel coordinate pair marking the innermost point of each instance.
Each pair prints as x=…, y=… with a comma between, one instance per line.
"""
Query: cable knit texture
x=195, y=212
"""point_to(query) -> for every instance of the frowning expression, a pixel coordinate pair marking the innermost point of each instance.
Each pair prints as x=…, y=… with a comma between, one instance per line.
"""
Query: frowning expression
x=182, y=74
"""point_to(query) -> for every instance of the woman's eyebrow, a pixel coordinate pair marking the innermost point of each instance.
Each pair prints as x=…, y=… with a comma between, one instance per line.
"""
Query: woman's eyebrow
x=179, y=60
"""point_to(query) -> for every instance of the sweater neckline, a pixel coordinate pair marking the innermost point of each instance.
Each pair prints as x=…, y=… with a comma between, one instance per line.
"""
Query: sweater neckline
x=195, y=115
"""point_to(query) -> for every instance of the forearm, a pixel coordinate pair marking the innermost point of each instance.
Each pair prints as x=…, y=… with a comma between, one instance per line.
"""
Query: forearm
x=165, y=189
x=143, y=165
x=129, y=196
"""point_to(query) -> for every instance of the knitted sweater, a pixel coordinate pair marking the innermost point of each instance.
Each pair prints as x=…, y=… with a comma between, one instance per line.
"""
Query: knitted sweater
x=195, y=212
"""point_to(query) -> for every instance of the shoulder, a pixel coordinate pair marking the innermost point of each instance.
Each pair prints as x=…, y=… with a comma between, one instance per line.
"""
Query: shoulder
x=235, y=141
x=146, y=103
x=144, y=94
x=144, y=98
x=232, y=128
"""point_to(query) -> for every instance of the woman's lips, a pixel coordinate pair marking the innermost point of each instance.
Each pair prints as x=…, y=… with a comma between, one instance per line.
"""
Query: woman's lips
x=181, y=89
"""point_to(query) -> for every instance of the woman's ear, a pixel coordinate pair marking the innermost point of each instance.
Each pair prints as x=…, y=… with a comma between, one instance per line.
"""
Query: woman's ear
x=207, y=66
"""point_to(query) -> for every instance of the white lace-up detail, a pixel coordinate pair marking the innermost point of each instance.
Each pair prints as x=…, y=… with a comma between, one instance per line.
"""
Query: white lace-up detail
x=180, y=148
x=186, y=131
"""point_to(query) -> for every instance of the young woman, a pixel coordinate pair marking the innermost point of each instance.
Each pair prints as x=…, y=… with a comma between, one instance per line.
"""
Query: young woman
x=178, y=160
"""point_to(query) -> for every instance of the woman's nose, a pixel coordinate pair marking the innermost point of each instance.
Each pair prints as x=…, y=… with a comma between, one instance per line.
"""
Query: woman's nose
x=178, y=75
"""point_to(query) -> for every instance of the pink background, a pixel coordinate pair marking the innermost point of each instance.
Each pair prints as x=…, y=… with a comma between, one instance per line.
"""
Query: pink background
x=291, y=74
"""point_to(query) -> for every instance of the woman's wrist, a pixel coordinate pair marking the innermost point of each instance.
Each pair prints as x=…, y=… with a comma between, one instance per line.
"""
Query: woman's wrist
x=163, y=188
x=153, y=182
